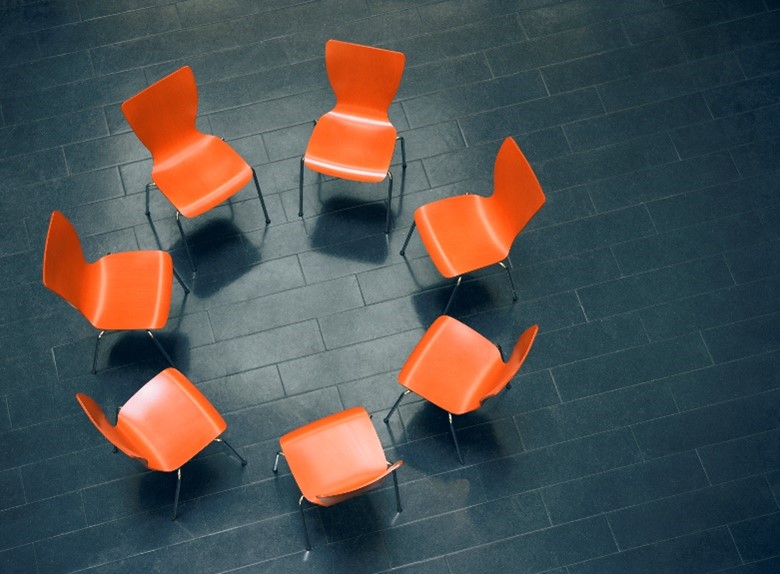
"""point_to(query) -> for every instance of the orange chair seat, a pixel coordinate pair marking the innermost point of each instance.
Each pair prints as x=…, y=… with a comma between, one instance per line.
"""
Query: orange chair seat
x=165, y=423
x=129, y=291
x=201, y=175
x=451, y=366
x=460, y=234
x=338, y=454
x=351, y=147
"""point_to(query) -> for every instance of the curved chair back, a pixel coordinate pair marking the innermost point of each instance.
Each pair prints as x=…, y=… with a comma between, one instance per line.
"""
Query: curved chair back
x=363, y=78
x=164, y=114
x=64, y=267
x=517, y=193
x=111, y=432
x=516, y=358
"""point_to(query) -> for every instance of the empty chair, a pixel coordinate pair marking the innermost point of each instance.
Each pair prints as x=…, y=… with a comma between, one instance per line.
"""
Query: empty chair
x=355, y=140
x=163, y=425
x=195, y=171
x=457, y=369
x=468, y=232
x=336, y=458
x=119, y=291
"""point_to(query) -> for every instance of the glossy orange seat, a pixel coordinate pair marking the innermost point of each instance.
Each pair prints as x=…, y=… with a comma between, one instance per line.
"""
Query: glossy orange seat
x=457, y=369
x=336, y=458
x=468, y=232
x=164, y=424
x=120, y=291
x=195, y=171
x=355, y=140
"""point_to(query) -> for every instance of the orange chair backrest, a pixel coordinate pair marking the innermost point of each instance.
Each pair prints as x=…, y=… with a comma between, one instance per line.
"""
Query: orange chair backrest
x=364, y=79
x=163, y=115
x=517, y=194
x=98, y=418
x=512, y=365
x=64, y=267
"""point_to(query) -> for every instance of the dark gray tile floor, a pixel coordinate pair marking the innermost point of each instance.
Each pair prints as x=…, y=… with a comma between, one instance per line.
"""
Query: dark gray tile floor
x=642, y=435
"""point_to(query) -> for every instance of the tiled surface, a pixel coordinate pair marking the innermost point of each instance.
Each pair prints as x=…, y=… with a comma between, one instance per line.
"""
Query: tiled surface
x=642, y=434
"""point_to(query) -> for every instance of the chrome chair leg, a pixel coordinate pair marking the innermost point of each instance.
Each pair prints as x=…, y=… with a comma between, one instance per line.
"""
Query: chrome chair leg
x=511, y=281
x=149, y=185
x=161, y=348
x=303, y=518
x=276, y=461
x=181, y=281
x=403, y=150
x=260, y=195
x=389, y=198
x=184, y=238
x=176, y=496
x=452, y=295
x=395, y=405
x=300, y=190
x=408, y=237
x=397, y=494
x=95, y=356
x=234, y=451
x=455, y=438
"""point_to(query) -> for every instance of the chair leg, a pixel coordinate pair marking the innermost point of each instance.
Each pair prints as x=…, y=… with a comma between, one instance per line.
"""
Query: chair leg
x=184, y=238
x=408, y=237
x=300, y=190
x=161, y=348
x=260, y=195
x=181, y=281
x=303, y=519
x=452, y=295
x=511, y=281
x=455, y=438
x=176, y=496
x=234, y=451
x=403, y=151
x=97, y=346
x=397, y=493
x=395, y=405
x=149, y=185
x=389, y=198
x=276, y=461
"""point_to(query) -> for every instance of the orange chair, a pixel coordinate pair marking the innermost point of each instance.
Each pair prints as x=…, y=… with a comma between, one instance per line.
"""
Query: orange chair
x=469, y=232
x=355, y=140
x=164, y=425
x=119, y=291
x=457, y=369
x=336, y=458
x=195, y=171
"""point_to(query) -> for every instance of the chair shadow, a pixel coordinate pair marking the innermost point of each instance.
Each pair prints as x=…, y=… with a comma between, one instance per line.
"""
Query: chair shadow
x=130, y=347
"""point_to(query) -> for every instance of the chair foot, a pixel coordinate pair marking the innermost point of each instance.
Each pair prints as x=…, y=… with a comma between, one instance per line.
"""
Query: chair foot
x=160, y=348
x=95, y=356
x=389, y=199
x=181, y=281
x=511, y=281
x=395, y=405
x=176, y=496
x=408, y=237
x=300, y=190
x=397, y=494
x=234, y=451
x=276, y=461
x=403, y=151
x=303, y=519
x=260, y=195
x=452, y=295
x=184, y=239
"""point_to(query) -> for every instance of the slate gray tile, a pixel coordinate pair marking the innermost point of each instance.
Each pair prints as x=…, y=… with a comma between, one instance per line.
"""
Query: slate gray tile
x=708, y=425
x=534, y=552
x=743, y=96
x=33, y=167
x=725, y=381
x=11, y=488
x=761, y=567
x=548, y=19
x=32, y=16
x=46, y=72
x=624, y=487
x=41, y=520
x=654, y=287
x=754, y=262
x=19, y=560
x=757, y=157
x=630, y=367
x=670, y=82
x=439, y=535
x=757, y=538
x=729, y=131
x=611, y=65
x=760, y=59
x=686, y=16
x=750, y=337
x=592, y=415
x=700, y=552
x=443, y=74
x=744, y=456
x=688, y=243
x=728, y=36
x=691, y=512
